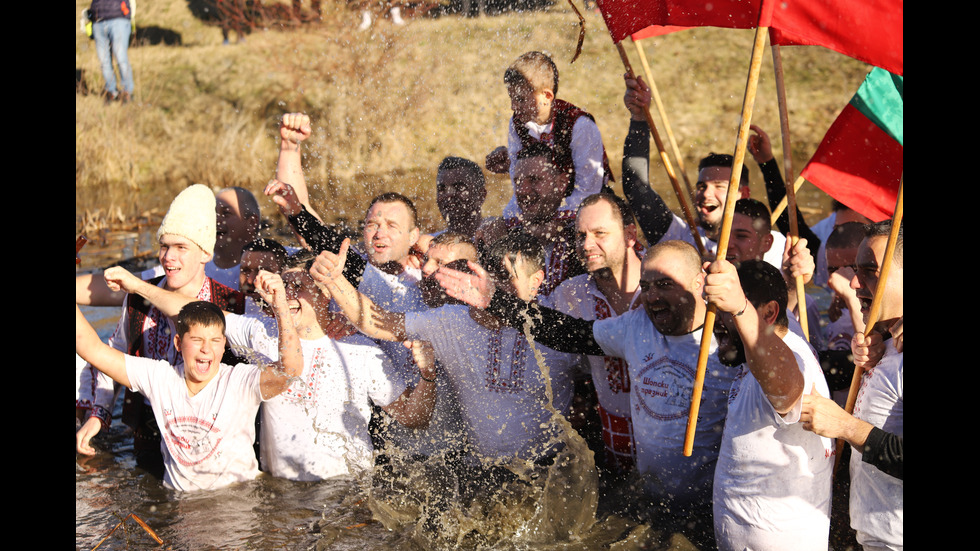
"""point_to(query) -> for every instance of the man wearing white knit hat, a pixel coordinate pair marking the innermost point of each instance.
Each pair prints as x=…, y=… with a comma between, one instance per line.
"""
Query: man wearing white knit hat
x=187, y=238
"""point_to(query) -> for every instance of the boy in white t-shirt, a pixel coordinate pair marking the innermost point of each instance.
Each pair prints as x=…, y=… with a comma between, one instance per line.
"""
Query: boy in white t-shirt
x=205, y=409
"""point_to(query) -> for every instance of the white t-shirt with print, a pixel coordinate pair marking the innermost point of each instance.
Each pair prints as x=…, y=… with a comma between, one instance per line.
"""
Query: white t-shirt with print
x=662, y=372
x=207, y=438
x=318, y=427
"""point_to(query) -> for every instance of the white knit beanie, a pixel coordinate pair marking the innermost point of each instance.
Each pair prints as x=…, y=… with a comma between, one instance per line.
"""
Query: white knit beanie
x=192, y=215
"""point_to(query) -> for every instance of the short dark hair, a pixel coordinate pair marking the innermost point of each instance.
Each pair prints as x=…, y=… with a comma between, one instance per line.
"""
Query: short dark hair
x=512, y=245
x=199, y=312
x=395, y=197
x=758, y=212
x=846, y=236
x=618, y=203
x=264, y=245
x=762, y=283
x=884, y=228
x=726, y=161
x=452, y=238
x=302, y=258
x=534, y=69
x=538, y=149
x=452, y=163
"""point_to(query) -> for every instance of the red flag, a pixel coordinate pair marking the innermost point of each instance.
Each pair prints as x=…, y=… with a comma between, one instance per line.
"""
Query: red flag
x=625, y=17
x=869, y=30
x=860, y=160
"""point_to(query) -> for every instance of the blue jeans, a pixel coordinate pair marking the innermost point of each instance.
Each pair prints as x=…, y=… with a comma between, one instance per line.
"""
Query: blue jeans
x=112, y=41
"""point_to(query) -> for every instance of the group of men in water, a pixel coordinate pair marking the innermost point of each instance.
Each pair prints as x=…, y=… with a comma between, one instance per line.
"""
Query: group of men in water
x=484, y=345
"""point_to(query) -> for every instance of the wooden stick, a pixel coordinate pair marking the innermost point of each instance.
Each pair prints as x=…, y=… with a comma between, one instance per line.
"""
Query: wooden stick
x=782, y=204
x=794, y=230
x=777, y=64
x=688, y=213
x=741, y=143
x=663, y=116
x=875, y=310
x=794, y=235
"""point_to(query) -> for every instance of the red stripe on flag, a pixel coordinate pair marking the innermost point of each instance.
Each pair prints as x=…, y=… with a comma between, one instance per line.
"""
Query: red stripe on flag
x=656, y=30
x=859, y=165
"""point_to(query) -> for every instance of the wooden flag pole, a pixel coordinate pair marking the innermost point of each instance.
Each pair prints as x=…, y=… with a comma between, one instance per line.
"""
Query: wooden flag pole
x=794, y=235
x=663, y=116
x=777, y=64
x=794, y=230
x=782, y=204
x=688, y=212
x=741, y=144
x=875, y=310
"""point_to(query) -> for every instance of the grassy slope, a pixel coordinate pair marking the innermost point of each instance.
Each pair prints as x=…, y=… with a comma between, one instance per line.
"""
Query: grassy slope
x=390, y=103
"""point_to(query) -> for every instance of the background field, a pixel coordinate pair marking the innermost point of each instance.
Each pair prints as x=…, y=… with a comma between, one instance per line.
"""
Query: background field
x=389, y=103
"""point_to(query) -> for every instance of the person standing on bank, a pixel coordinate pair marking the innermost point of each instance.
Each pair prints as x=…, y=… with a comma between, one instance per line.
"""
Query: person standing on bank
x=111, y=29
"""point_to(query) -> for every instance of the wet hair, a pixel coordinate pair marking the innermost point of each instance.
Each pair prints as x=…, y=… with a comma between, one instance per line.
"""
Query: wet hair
x=884, y=229
x=247, y=204
x=263, y=245
x=725, y=161
x=538, y=149
x=199, y=313
x=452, y=163
x=846, y=236
x=618, y=204
x=758, y=212
x=302, y=258
x=452, y=238
x=762, y=283
x=535, y=70
x=395, y=197
x=510, y=246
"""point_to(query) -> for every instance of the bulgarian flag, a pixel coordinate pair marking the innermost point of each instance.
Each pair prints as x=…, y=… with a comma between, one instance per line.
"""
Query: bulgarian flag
x=860, y=160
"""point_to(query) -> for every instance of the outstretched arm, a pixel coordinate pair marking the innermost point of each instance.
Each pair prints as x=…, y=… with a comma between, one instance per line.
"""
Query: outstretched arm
x=103, y=357
x=168, y=302
x=369, y=318
x=414, y=407
x=275, y=378
x=761, y=149
x=552, y=328
x=652, y=213
x=770, y=360
x=294, y=129
x=91, y=290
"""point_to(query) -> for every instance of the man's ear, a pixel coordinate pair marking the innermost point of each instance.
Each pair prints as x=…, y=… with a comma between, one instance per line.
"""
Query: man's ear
x=769, y=312
x=548, y=94
x=767, y=242
x=414, y=235
x=177, y=342
x=537, y=278
x=743, y=191
x=631, y=235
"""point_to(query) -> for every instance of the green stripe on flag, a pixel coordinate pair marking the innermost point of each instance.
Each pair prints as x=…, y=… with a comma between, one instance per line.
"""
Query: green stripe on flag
x=881, y=99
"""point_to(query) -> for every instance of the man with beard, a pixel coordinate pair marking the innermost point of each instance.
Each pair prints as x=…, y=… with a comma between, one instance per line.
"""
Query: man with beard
x=606, y=244
x=540, y=185
x=660, y=342
x=773, y=480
